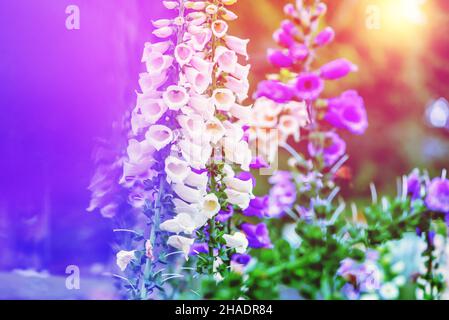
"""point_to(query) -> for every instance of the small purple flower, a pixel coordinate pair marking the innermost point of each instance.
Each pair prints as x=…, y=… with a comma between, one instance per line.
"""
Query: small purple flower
x=299, y=52
x=283, y=38
x=289, y=27
x=274, y=90
x=242, y=259
x=257, y=235
x=437, y=198
x=282, y=194
x=337, y=69
x=334, y=148
x=309, y=86
x=325, y=37
x=348, y=112
x=363, y=277
x=258, y=207
x=414, y=184
x=279, y=58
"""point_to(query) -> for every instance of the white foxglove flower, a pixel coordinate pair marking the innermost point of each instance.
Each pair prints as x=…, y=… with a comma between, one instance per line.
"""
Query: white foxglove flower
x=238, y=152
x=239, y=87
x=152, y=109
x=226, y=59
x=210, y=205
x=215, y=130
x=202, y=65
x=157, y=63
x=159, y=136
x=183, y=54
x=223, y=99
x=241, y=72
x=288, y=125
x=192, y=125
x=182, y=223
x=237, y=241
x=239, y=185
x=201, y=38
x=177, y=170
x=181, y=243
x=203, y=106
x=241, y=112
x=150, y=82
x=227, y=15
x=186, y=193
x=124, y=258
x=219, y=28
x=199, y=81
x=241, y=199
x=170, y=4
x=175, y=97
x=237, y=45
x=164, y=32
x=197, y=180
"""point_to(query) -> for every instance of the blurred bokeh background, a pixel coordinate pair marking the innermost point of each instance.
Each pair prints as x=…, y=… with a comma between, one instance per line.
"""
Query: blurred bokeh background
x=61, y=90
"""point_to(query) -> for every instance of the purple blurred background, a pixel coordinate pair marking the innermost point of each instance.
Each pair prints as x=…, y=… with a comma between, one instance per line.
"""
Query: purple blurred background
x=59, y=90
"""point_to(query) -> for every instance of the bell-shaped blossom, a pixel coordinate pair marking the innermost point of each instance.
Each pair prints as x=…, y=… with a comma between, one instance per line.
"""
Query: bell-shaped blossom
x=215, y=130
x=280, y=59
x=299, y=52
x=186, y=193
x=258, y=207
x=152, y=110
x=175, y=97
x=199, y=81
x=201, y=38
x=332, y=149
x=183, y=54
x=159, y=136
x=348, y=112
x=181, y=243
x=337, y=69
x=226, y=59
x=238, y=152
x=157, y=63
x=176, y=169
x=223, y=99
x=309, y=86
x=274, y=90
x=159, y=47
x=257, y=235
x=236, y=241
x=437, y=198
x=325, y=37
x=150, y=82
x=219, y=28
x=210, y=205
x=240, y=199
x=164, y=32
x=237, y=45
x=124, y=258
x=182, y=223
x=239, y=86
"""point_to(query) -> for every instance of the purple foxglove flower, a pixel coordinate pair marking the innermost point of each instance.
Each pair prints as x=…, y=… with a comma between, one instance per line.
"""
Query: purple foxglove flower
x=225, y=215
x=325, y=37
x=348, y=112
x=279, y=58
x=334, y=148
x=289, y=27
x=197, y=248
x=299, y=52
x=257, y=235
x=258, y=207
x=242, y=259
x=274, y=90
x=337, y=69
x=283, y=38
x=258, y=163
x=309, y=86
x=437, y=198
